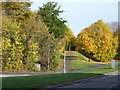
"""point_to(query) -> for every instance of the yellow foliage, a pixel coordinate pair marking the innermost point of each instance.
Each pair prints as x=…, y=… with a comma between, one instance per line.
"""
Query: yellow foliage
x=98, y=40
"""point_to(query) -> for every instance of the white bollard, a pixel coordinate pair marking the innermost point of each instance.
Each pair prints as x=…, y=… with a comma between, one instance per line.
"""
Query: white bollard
x=113, y=64
x=38, y=66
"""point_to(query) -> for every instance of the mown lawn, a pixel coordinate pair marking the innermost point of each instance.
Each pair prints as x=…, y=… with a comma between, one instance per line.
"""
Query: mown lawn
x=40, y=81
x=78, y=65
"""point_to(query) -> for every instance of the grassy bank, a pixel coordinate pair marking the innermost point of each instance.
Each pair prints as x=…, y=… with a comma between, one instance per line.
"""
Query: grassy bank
x=78, y=65
x=76, y=55
x=40, y=81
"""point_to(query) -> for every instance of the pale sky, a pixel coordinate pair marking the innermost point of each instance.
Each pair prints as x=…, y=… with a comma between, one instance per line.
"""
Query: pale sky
x=81, y=13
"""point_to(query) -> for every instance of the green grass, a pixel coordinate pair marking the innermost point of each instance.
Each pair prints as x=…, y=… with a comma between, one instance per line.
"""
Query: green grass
x=40, y=81
x=78, y=65
x=78, y=55
x=105, y=69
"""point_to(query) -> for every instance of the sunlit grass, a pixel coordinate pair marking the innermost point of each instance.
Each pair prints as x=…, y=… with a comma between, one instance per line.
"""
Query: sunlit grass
x=40, y=81
x=78, y=65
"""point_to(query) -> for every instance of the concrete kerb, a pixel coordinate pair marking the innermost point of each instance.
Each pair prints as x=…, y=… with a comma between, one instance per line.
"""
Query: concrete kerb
x=78, y=81
x=23, y=74
x=2, y=74
x=5, y=74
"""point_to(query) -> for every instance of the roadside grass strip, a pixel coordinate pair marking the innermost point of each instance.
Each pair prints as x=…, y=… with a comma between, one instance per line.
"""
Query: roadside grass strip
x=46, y=80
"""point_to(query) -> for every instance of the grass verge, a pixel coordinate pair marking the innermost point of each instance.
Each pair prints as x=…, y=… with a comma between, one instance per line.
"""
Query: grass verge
x=78, y=65
x=41, y=81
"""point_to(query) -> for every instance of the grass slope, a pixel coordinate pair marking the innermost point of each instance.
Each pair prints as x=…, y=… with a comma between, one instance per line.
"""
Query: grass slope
x=78, y=65
x=77, y=55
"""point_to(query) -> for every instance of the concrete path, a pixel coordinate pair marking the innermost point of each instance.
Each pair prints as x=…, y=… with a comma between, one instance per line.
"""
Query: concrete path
x=5, y=74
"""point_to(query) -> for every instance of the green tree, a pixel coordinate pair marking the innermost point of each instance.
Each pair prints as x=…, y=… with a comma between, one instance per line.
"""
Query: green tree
x=73, y=43
x=50, y=16
x=40, y=46
x=68, y=36
x=49, y=50
x=97, y=42
x=30, y=41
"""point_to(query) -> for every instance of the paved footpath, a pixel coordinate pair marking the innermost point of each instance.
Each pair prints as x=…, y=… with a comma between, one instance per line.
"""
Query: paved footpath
x=7, y=74
x=107, y=82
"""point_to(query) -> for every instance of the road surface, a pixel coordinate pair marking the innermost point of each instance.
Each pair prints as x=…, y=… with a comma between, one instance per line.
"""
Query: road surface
x=108, y=82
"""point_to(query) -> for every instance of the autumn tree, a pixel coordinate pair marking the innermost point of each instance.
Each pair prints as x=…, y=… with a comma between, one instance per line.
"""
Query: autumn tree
x=40, y=46
x=49, y=52
x=12, y=46
x=50, y=13
x=17, y=10
x=117, y=34
x=20, y=14
x=27, y=39
x=115, y=28
x=97, y=42
x=48, y=47
x=31, y=31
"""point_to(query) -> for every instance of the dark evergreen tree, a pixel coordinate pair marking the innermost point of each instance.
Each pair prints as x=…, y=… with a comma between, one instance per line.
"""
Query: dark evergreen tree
x=50, y=14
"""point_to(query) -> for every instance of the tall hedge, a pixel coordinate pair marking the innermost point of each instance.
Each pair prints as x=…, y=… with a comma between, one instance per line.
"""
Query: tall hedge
x=12, y=46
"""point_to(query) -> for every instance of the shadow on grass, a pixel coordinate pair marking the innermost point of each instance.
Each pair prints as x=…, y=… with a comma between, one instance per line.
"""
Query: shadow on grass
x=71, y=57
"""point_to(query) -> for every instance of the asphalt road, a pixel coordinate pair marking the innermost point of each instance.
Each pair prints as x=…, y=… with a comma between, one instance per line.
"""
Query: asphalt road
x=108, y=82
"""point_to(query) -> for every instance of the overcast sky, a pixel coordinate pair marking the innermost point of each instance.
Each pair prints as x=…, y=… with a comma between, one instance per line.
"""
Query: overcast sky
x=81, y=14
